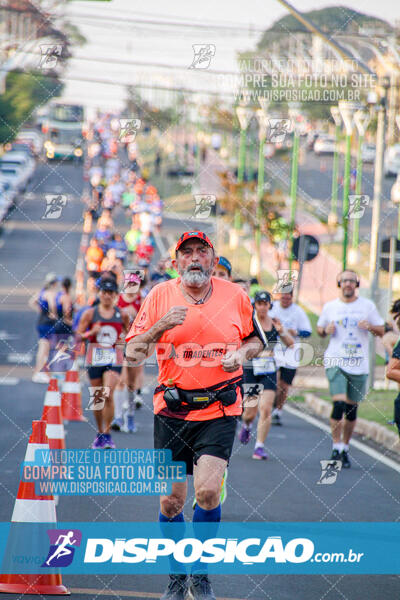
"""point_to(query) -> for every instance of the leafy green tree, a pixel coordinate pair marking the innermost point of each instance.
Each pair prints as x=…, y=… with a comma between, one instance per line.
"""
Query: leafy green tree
x=24, y=92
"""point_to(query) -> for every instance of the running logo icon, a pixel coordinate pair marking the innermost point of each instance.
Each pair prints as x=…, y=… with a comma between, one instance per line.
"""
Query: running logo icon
x=252, y=394
x=204, y=203
x=50, y=53
x=128, y=129
x=132, y=280
x=98, y=397
x=54, y=206
x=358, y=203
x=203, y=54
x=278, y=128
x=286, y=280
x=61, y=551
x=330, y=471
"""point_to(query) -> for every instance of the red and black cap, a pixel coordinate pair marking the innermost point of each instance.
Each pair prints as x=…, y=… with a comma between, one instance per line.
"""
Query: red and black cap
x=188, y=235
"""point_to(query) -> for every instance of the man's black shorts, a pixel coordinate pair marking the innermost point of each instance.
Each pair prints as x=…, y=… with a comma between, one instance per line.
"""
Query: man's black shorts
x=98, y=372
x=268, y=380
x=189, y=440
x=287, y=375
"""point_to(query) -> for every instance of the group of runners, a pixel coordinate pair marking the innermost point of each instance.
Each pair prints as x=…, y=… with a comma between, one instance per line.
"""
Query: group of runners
x=227, y=353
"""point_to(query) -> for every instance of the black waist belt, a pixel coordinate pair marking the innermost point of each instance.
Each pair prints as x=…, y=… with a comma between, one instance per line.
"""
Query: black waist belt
x=178, y=399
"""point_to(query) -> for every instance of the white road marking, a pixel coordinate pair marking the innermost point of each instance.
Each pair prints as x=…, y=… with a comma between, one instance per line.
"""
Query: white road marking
x=4, y=335
x=359, y=445
x=23, y=358
x=9, y=381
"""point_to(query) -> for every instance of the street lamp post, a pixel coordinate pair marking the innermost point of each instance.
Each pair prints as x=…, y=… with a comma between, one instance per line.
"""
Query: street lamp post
x=395, y=194
x=374, y=263
x=361, y=119
x=262, y=134
x=332, y=218
x=244, y=115
x=347, y=110
x=293, y=114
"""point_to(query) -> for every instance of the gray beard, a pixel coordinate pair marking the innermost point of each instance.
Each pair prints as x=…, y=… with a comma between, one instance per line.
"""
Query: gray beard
x=195, y=278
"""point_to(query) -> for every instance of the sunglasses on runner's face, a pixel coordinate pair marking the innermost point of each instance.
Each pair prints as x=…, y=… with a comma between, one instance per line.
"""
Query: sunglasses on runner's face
x=348, y=280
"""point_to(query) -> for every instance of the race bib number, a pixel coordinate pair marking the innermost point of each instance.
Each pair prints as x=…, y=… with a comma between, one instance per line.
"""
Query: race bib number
x=103, y=356
x=264, y=365
x=351, y=349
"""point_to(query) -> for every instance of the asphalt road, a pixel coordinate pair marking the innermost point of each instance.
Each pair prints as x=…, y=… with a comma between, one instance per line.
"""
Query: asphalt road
x=315, y=184
x=284, y=488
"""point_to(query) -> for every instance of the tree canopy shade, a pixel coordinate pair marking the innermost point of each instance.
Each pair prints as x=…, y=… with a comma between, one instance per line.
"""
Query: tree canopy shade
x=24, y=92
x=334, y=19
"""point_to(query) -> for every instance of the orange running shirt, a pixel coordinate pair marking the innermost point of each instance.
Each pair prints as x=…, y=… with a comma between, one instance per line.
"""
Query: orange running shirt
x=94, y=256
x=190, y=354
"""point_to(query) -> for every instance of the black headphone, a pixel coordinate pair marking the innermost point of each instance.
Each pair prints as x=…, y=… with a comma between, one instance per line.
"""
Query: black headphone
x=339, y=283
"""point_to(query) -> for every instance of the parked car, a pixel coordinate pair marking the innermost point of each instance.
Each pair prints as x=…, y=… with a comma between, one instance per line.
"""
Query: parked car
x=324, y=144
x=6, y=203
x=33, y=138
x=368, y=153
x=391, y=165
x=18, y=146
x=20, y=160
x=312, y=136
x=14, y=176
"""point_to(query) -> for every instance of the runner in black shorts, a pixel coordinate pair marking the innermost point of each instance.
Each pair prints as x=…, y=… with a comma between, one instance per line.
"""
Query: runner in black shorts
x=103, y=326
x=211, y=325
x=260, y=378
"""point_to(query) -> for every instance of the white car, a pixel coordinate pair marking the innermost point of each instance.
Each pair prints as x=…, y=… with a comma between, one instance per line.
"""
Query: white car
x=391, y=165
x=324, y=144
x=368, y=153
x=19, y=160
x=33, y=138
x=14, y=176
x=6, y=202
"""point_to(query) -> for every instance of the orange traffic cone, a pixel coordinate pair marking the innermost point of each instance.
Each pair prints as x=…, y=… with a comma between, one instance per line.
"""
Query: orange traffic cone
x=31, y=508
x=71, y=403
x=53, y=416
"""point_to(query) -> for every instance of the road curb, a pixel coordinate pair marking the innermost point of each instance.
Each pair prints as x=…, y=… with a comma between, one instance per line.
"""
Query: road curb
x=369, y=429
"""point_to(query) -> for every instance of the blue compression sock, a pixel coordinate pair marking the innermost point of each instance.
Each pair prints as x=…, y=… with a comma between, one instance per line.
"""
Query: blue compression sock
x=207, y=516
x=176, y=534
x=200, y=516
x=179, y=518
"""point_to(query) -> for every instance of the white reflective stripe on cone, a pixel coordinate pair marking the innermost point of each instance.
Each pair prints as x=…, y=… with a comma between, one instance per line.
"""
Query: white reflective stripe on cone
x=72, y=387
x=34, y=511
x=30, y=451
x=55, y=431
x=52, y=399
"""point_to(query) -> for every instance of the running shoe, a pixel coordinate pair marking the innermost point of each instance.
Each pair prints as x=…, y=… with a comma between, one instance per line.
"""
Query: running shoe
x=139, y=400
x=259, y=453
x=244, y=434
x=40, y=377
x=276, y=419
x=200, y=588
x=129, y=424
x=117, y=424
x=99, y=441
x=177, y=588
x=346, y=464
x=108, y=442
x=335, y=454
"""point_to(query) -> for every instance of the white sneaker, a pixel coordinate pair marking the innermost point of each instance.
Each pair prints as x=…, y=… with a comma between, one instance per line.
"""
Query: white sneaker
x=40, y=378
